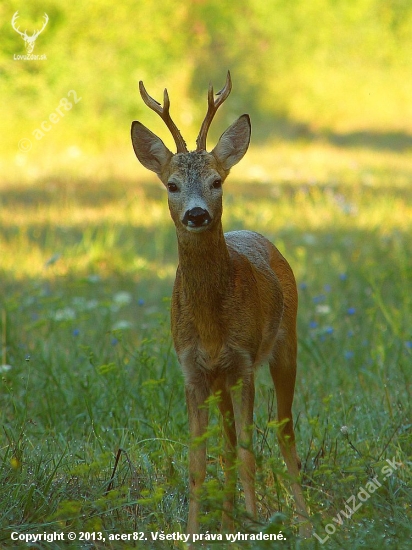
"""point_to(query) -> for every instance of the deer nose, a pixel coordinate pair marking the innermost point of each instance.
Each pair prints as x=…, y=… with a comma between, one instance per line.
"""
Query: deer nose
x=196, y=217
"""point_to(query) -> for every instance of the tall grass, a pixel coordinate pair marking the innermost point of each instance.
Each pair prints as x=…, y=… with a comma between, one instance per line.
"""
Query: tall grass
x=88, y=366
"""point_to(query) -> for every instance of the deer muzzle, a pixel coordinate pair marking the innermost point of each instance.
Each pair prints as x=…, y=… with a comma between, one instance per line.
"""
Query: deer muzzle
x=196, y=218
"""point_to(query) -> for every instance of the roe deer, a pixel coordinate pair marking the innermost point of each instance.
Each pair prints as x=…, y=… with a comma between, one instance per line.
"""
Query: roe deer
x=234, y=306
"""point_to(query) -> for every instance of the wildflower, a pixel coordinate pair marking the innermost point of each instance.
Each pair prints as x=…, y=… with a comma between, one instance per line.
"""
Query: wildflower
x=122, y=298
x=65, y=314
x=322, y=309
x=343, y=276
x=349, y=354
x=114, y=341
x=140, y=302
x=5, y=368
x=351, y=311
x=318, y=299
x=313, y=324
x=344, y=430
x=76, y=332
x=122, y=325
x=329, y=330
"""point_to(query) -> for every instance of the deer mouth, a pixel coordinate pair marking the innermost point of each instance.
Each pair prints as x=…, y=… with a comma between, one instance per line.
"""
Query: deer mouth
x=196, y=219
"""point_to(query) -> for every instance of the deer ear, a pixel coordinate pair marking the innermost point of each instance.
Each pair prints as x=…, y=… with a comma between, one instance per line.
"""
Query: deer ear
x=233, y=143
x=149, y=149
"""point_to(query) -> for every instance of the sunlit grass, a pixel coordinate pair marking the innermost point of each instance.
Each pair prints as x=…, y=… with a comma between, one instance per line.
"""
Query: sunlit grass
x=307, y=187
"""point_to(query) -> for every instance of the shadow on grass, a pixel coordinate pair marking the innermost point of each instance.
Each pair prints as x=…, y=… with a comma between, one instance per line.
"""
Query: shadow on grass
x=288, y=130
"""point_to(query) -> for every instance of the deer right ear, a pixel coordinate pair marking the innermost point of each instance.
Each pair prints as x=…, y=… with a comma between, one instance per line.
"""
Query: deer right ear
x=233, y=143
x=149, y=149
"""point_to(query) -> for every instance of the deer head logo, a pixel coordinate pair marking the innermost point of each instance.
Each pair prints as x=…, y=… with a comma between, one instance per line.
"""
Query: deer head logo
x=29, y=41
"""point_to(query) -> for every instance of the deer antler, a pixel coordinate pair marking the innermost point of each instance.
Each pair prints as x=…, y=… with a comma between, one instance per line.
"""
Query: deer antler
x=163, y=112
x=46, y=20
x=13, y=24
x=213, y=106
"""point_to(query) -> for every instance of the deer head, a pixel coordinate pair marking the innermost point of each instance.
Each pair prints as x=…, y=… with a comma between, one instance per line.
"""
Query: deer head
x=29, y=41
x=193, y=179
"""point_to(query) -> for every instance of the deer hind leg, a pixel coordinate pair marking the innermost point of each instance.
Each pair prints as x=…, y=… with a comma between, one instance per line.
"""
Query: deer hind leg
x=243, y=397
x=283, y=371
x=198, y=420
x=226, y=410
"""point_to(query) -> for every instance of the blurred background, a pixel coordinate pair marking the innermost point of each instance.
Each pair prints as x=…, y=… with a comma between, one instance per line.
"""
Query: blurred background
x=333, y=70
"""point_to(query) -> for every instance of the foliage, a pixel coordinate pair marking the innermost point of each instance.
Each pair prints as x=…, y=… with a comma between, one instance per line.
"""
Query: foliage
x=299, y=67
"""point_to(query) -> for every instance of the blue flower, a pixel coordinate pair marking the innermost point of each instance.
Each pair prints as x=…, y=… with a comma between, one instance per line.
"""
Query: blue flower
x=327, y=288
x=313, y=324
x=76, y=332
x=351, y=311
x=114, y=341
x=343, y=276
x=329, y=330
x=408, y=344
x=320, y=298
x=303, y=286
x=141, y=302
x=349, y=354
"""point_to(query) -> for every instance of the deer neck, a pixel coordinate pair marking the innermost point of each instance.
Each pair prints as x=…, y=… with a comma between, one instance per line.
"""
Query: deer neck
x=204, y=264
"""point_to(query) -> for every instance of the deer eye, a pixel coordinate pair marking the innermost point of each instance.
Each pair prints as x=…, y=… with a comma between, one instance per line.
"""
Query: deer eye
x=172, y=187
x=217, y=184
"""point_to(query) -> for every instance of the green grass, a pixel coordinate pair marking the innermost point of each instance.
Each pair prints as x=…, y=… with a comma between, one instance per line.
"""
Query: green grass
x=86, y=270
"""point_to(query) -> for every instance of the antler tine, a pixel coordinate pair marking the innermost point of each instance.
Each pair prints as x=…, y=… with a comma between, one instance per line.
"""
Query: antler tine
x=13, y=23
x=213, y=106
x=163, y=112
x=46, y=20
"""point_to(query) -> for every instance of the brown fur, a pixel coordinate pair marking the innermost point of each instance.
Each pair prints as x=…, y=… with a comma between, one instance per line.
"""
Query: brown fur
x=234, y=307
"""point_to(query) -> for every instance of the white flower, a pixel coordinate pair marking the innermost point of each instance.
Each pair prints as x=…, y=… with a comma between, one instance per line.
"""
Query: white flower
x=322, y=309
x=122, y=325
x=5, y=368
x=122, y=298
x=65, y=314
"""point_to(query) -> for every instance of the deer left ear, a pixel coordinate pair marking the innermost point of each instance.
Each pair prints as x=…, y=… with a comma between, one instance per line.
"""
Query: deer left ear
x=233, y=143
x=149, y=149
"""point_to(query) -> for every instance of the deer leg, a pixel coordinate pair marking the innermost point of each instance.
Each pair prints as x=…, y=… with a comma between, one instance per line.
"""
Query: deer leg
x=283, y=371
x=198, y=421
x=226, y=410
x=243, y=397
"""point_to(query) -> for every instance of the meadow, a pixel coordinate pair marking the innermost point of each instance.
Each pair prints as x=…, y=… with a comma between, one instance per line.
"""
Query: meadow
x=94, y=430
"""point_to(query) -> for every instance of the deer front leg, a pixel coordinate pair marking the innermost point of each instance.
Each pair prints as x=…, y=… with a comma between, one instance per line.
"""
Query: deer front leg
x=243, y=397
x=226, y=410
x=198, y=420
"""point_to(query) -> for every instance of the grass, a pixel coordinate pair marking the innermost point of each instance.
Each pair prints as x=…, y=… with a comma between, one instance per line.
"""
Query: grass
x=88, y=365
